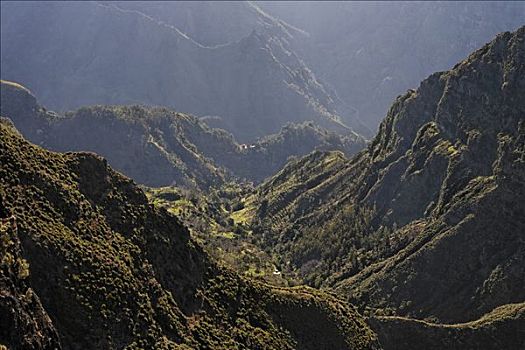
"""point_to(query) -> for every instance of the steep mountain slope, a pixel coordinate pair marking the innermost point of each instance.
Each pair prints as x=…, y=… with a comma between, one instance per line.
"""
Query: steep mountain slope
x=19, y=305
x=211, y=23
x=112, y=271
x=370, y=52
x=159, y=147
x=80, y=54
x=146, y=144
x=502, y=328
x=268, y=155
x=428, y=220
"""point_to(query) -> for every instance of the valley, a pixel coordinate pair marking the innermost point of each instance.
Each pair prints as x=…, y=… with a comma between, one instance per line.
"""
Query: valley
x=229, y=195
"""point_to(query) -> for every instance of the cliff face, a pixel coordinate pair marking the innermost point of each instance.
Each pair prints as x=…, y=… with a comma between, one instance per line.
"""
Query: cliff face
x=80, y=54
x=426, y=221
x=112, y=271
x=471, y=202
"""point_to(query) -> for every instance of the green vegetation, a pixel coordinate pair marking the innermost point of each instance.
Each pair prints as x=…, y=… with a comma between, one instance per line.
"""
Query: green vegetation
x=484, y=333
x=114, y=271
x=422, y=230
x=158, y=147
x=223, y=231
x=24, y=322
x=436, y=196
x=245, y=212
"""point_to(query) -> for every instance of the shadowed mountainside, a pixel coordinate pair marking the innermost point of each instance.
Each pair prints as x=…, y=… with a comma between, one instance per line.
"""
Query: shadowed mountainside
x=24, y=324
x=80, y=54
x=502, y=328
x=159, y=147
x=113, y=271
x=427, y=221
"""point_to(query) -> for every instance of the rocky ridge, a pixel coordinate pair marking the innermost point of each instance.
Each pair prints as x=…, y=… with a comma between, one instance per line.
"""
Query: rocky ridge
x=160, y=147
x=426, y=221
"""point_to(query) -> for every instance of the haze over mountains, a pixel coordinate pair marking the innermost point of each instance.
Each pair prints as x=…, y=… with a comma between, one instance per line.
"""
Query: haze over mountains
x=248, y=69
x=370, y=52
x=97, y=53
x=292, y=233
x=160, y=147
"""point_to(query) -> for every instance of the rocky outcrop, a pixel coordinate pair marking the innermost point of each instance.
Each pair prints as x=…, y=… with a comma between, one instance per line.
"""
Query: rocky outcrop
x=471, y=239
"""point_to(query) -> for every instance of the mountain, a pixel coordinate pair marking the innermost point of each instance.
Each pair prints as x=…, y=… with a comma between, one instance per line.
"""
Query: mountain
x=19, y=305
x=211, y=23
x=269, y=154
x=81, y=54
x=500, y=329
x=427, y=221
x=370, y=52
x=144, y=143
x=113, y=271
x=250, y=67
x=159, y=147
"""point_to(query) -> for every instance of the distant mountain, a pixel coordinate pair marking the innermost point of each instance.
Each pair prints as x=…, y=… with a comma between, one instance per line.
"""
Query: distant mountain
x=428, y=221
x=146, y=144
x=251, y=67
x=76, y=54
x=214, y=23
x=114, y=272
x=159, y=147
x=371, y=52
x=270, y=154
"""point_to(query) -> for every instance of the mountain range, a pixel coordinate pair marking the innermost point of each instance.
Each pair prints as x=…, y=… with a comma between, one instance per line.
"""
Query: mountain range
x=370, y=52
x=428, y=219
x=160, y=147
x=113, y=271
x=81, y=54
x=230, y=201
x=248, y=67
